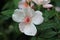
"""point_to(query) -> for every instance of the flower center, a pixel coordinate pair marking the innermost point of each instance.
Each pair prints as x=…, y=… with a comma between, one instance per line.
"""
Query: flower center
x=27, y=20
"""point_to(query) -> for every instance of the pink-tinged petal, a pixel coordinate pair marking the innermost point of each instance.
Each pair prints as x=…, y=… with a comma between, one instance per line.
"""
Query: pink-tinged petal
x=18, y=15
x=30, y=30
x=23, y=5
x=37, y=19
x=32, y=4
x=47, y=5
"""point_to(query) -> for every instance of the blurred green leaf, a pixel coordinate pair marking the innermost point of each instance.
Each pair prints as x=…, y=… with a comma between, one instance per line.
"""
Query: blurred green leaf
x=3, y=36
x=46, y=25
x=3, y=18
x=51, y=39
x=40, y=38
x=16, y=2
x=33, y=38
x=7, y=13
x=49, y=14
x=57, y=3
x=9, y=5
x=57, y=21
x=58, y=39
x=48, y=34
x=16, y=28
x=9, y=30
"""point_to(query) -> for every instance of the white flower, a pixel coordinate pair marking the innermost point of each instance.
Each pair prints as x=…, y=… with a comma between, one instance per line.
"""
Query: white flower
x=45, y=3
x=24, y=4
x=39, y=2
x=27, y=19
x=57, y=9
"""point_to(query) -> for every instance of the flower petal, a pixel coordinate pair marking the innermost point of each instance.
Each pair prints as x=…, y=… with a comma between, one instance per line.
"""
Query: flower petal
x=57, y=9
x=39, y=12
x=35, y=1
x=46, y=1
x=29, y=11
x=21, y=27
x=47, y=5
x=37, y=19
x=21, y=5
x=18, y=15
x=32, y=4
x=30, y=30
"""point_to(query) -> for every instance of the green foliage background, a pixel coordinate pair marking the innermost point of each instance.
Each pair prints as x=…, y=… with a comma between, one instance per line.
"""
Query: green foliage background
x=48, y=30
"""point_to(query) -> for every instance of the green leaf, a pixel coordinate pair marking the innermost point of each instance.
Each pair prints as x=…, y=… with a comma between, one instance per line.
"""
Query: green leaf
x=57, y=21
x=49, y=14
x=58, y=39
x=16, y=2
x=3, y=18
x=46, y=25
x=48, y=34
x=57, y=3
x=8, y=5
x=7, y=13
x=40, y=38
x=51, y=39
x=59, y=31
x=3, y=36
x=9, y=30
x=16, y=28
x=33, y=38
